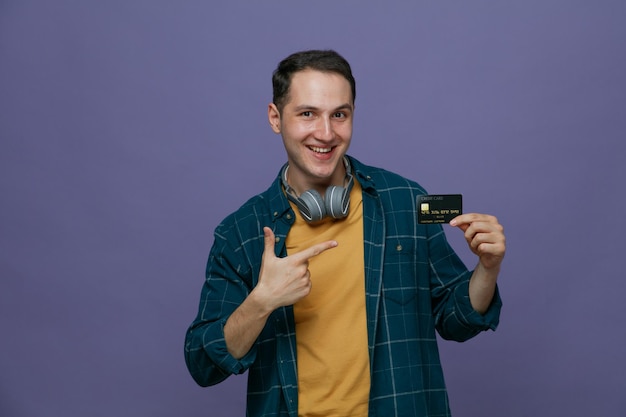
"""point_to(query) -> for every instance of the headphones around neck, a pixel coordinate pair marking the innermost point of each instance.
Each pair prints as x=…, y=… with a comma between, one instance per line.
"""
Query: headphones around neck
x=314, y=207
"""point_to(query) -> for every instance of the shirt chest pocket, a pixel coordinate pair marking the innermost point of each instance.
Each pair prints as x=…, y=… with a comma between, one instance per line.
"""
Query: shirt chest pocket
x=399, y=275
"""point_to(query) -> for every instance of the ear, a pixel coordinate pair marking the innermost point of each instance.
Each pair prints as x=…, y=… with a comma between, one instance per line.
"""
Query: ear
x=273, y=116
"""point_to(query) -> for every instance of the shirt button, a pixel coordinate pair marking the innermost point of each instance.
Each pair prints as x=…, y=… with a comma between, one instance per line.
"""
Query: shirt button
x=399, y=248
x=275, y=213
x=277, y=239
x=288, y=216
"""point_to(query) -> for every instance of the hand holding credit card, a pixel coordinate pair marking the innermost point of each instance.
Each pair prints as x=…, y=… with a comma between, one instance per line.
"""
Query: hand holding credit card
x=438, y=208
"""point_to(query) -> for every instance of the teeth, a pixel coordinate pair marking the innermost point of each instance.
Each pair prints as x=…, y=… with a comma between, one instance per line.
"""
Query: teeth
x=319, y=150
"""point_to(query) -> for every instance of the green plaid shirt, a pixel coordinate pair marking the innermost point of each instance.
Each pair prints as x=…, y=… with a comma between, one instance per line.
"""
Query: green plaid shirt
x=414, y=284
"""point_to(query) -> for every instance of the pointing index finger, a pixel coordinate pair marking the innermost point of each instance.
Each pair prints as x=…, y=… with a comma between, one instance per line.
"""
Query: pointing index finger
x=316, y=249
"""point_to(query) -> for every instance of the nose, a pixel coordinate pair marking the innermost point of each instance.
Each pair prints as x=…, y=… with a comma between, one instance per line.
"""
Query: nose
x=325, y=129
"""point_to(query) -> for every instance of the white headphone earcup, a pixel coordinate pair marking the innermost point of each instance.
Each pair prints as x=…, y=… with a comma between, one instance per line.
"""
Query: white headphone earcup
x=314, y=207
x=334, y=201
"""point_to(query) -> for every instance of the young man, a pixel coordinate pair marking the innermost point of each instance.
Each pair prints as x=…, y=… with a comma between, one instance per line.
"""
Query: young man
x=324, y=287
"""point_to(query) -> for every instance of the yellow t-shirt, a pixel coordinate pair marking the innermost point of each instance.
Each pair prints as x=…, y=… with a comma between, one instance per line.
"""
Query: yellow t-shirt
x=331, y=324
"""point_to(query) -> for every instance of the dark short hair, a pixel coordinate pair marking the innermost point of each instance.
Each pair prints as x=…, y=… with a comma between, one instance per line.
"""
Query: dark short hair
x=318, y=60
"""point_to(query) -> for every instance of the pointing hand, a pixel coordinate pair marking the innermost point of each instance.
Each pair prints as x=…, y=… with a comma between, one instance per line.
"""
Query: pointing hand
x=284, y=281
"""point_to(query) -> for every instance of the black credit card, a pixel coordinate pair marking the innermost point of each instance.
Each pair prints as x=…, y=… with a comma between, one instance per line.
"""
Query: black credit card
x=438, y=208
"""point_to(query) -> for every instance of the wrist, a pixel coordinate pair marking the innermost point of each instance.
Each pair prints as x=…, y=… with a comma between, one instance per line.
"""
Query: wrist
x=259, y=303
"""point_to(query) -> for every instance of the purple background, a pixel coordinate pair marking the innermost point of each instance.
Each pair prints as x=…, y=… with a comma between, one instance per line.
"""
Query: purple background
x=129, y=129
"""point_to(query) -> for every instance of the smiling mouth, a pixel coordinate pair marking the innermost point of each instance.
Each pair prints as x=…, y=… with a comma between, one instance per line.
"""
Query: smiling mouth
x=320, y=150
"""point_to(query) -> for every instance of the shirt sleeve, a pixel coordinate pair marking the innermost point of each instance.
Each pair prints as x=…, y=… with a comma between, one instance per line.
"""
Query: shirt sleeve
x=226, y=286
x=455, y=318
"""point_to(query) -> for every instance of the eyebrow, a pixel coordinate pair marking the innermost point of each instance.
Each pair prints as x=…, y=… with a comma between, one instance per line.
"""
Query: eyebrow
x=304, y=107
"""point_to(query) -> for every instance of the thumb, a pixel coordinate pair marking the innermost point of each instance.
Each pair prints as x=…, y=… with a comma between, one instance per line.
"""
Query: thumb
x=269, y=242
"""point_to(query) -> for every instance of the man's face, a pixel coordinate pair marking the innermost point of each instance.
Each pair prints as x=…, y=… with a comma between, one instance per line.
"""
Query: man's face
x=316, y=127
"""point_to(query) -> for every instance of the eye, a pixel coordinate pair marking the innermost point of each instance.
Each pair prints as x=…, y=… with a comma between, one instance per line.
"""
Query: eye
x=339, y=115
x=306, y=114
